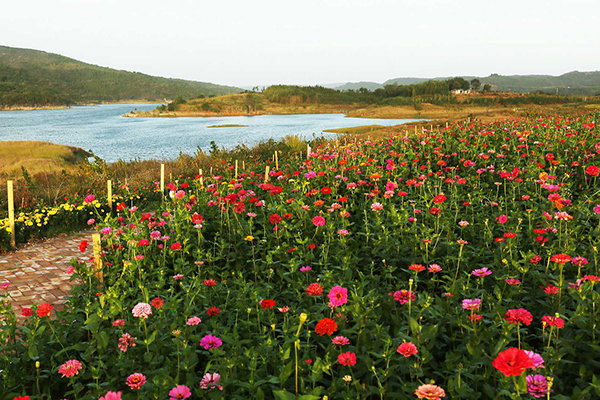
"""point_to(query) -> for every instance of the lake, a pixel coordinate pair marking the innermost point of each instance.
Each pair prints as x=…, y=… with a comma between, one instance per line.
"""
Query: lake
x=103, y=130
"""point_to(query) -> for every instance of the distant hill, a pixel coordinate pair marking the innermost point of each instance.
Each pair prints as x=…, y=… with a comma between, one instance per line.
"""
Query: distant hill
x=571, y=83
x=37, y=78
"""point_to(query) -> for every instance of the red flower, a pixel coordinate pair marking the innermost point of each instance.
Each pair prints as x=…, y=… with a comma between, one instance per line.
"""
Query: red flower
x=553, y=321
x=550, y=289
x=22, y=398
x=312, y=246
x=440, y=198
x=592, y=170
x=513, y=361
x=213, y=311
x=407, y=349
x=518, y=316
x=43, y=310
x=326, y=190
x=176, y=246
x=157, y=302
x=560, y=258
x=434, y=211
x=210, y=282
x=266, y=303
x=348, y=358
x=326, y=326
x=275, y=219
x=27, y=312
x=314, y=289
x=239, y=207
x=83, y=246
x=417, y=267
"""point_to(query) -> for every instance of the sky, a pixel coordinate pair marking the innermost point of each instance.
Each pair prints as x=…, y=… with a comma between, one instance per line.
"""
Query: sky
x=309, y=42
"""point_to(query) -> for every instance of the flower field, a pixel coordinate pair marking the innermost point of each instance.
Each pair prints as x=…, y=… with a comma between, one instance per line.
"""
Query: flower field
x=455, y=264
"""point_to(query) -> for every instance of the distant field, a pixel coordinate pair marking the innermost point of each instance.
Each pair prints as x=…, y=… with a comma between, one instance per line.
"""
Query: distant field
x=37, y=157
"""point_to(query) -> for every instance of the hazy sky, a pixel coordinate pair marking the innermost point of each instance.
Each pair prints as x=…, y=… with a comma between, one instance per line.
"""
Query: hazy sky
x=259, y=42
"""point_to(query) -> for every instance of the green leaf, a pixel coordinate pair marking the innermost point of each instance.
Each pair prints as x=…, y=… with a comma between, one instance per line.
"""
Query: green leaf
x=286, y=372
x=284, y=395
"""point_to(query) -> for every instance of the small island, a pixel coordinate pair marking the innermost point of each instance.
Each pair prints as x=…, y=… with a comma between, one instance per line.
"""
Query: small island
x=227, y=126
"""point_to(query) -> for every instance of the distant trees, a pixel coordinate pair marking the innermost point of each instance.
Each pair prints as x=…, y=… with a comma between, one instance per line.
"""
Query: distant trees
x=475, y=84
x=487, y=88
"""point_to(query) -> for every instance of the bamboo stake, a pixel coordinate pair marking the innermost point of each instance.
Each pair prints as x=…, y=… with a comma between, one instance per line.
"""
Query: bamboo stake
x=276, y=162
x=307, y=151
x=109, y=193
x=266, y=173
x=244, y=165
x=201, y=178
x=11, y=213
x=97, y=261
x=236, y=169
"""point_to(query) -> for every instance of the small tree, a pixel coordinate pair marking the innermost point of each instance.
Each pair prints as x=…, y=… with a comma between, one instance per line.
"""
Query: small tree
x=487, y=88
x=475, y=84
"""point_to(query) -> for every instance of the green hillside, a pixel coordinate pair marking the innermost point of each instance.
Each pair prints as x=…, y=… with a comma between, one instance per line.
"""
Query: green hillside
x=37, y=78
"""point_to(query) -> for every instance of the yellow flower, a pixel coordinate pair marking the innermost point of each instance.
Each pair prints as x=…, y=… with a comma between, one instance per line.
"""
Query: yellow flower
x=249, y=238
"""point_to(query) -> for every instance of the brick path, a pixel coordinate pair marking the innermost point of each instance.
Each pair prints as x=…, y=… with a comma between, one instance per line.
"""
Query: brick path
x=37, y=272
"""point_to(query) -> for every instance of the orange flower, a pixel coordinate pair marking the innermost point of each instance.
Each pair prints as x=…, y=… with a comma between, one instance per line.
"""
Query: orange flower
x=44, y=310
x=326, y=326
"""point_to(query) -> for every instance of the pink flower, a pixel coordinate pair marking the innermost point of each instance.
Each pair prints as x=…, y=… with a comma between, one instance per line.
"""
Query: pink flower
x=5, y=285
x=471, y=304
x=70, y=270
x=136, y=381
x=318, y=221
x=338, y=296
x=433, y=268
x=403, y=296
x=210, y=342
x=482, y=272
x=538, y=361
x=155, y=235
x=142, y=310
x=376, y=207
x=91, y=221
x=502, y=219
x=180, y=392
x=180, y=194
x=119, y=322
x=193, y=321
x=407, y=349
x=512, y=281
x=341, y=340
x=211, y=381
x=89, y=198
x=126, y=341
x=70, y=368
x=111, y=396
x=305, y=269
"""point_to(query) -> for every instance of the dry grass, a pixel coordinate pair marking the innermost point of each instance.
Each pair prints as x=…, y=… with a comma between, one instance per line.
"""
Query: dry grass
x=37, y=157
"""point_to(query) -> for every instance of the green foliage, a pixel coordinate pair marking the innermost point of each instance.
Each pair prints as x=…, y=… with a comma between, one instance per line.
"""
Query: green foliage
x=36, y=78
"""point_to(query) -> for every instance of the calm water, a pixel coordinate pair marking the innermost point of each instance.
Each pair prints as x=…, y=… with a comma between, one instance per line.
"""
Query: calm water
x=112, y=137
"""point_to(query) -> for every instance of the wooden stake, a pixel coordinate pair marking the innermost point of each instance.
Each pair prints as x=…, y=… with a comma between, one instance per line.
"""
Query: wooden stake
x=266, y=173
x=446, y=124
x=236, y=169
x=244, y=165
x=162, y=178
x=109, y=195
x=415, y=129
x=201, y=178
x=11, y=213
x=276, y=162
x=307, y=151
x=97, y=261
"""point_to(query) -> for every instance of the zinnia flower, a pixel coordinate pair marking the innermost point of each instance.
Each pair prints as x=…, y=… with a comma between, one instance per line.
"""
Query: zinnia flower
x=341, y=340
x=430, y=392
x=326, y=326
x=211, y=381
x=267, y=303
x=482, y=272
x=180, y=392
x=126, y=341
x=538, y=361
x=43, y=310
x=348, y=358
x=403, y=296
x=407, y=349
x=512, y=361
x=111, y=396
x=314, y=289
x=338, y=296
x=553, y=321
x=70, y=368
x=318, y=221
x=537, y=386
x=210, y=342
x=193, y=321
x=471, y=304
x=136, y=381
x=142, y=310
x=518, y=316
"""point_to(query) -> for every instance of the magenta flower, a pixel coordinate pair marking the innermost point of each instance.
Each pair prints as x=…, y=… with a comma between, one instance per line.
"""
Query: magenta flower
x=537, y=386
x=89, y=198
x=305, y=269
x=482, y=272
x=142, y=310
x=211, y=381
x=538, y=361
x=210, y=342
x=318, y=221
x=404, y=295
x=338, y=296
x=502, y=219
x=433, y=268
x=471, y=304
x=180, y=392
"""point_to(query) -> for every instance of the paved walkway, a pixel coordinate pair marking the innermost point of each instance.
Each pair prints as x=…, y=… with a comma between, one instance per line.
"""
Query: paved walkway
x=37, y=272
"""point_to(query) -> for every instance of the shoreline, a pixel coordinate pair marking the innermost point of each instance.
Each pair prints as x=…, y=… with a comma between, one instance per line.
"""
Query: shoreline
x=63, y=107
